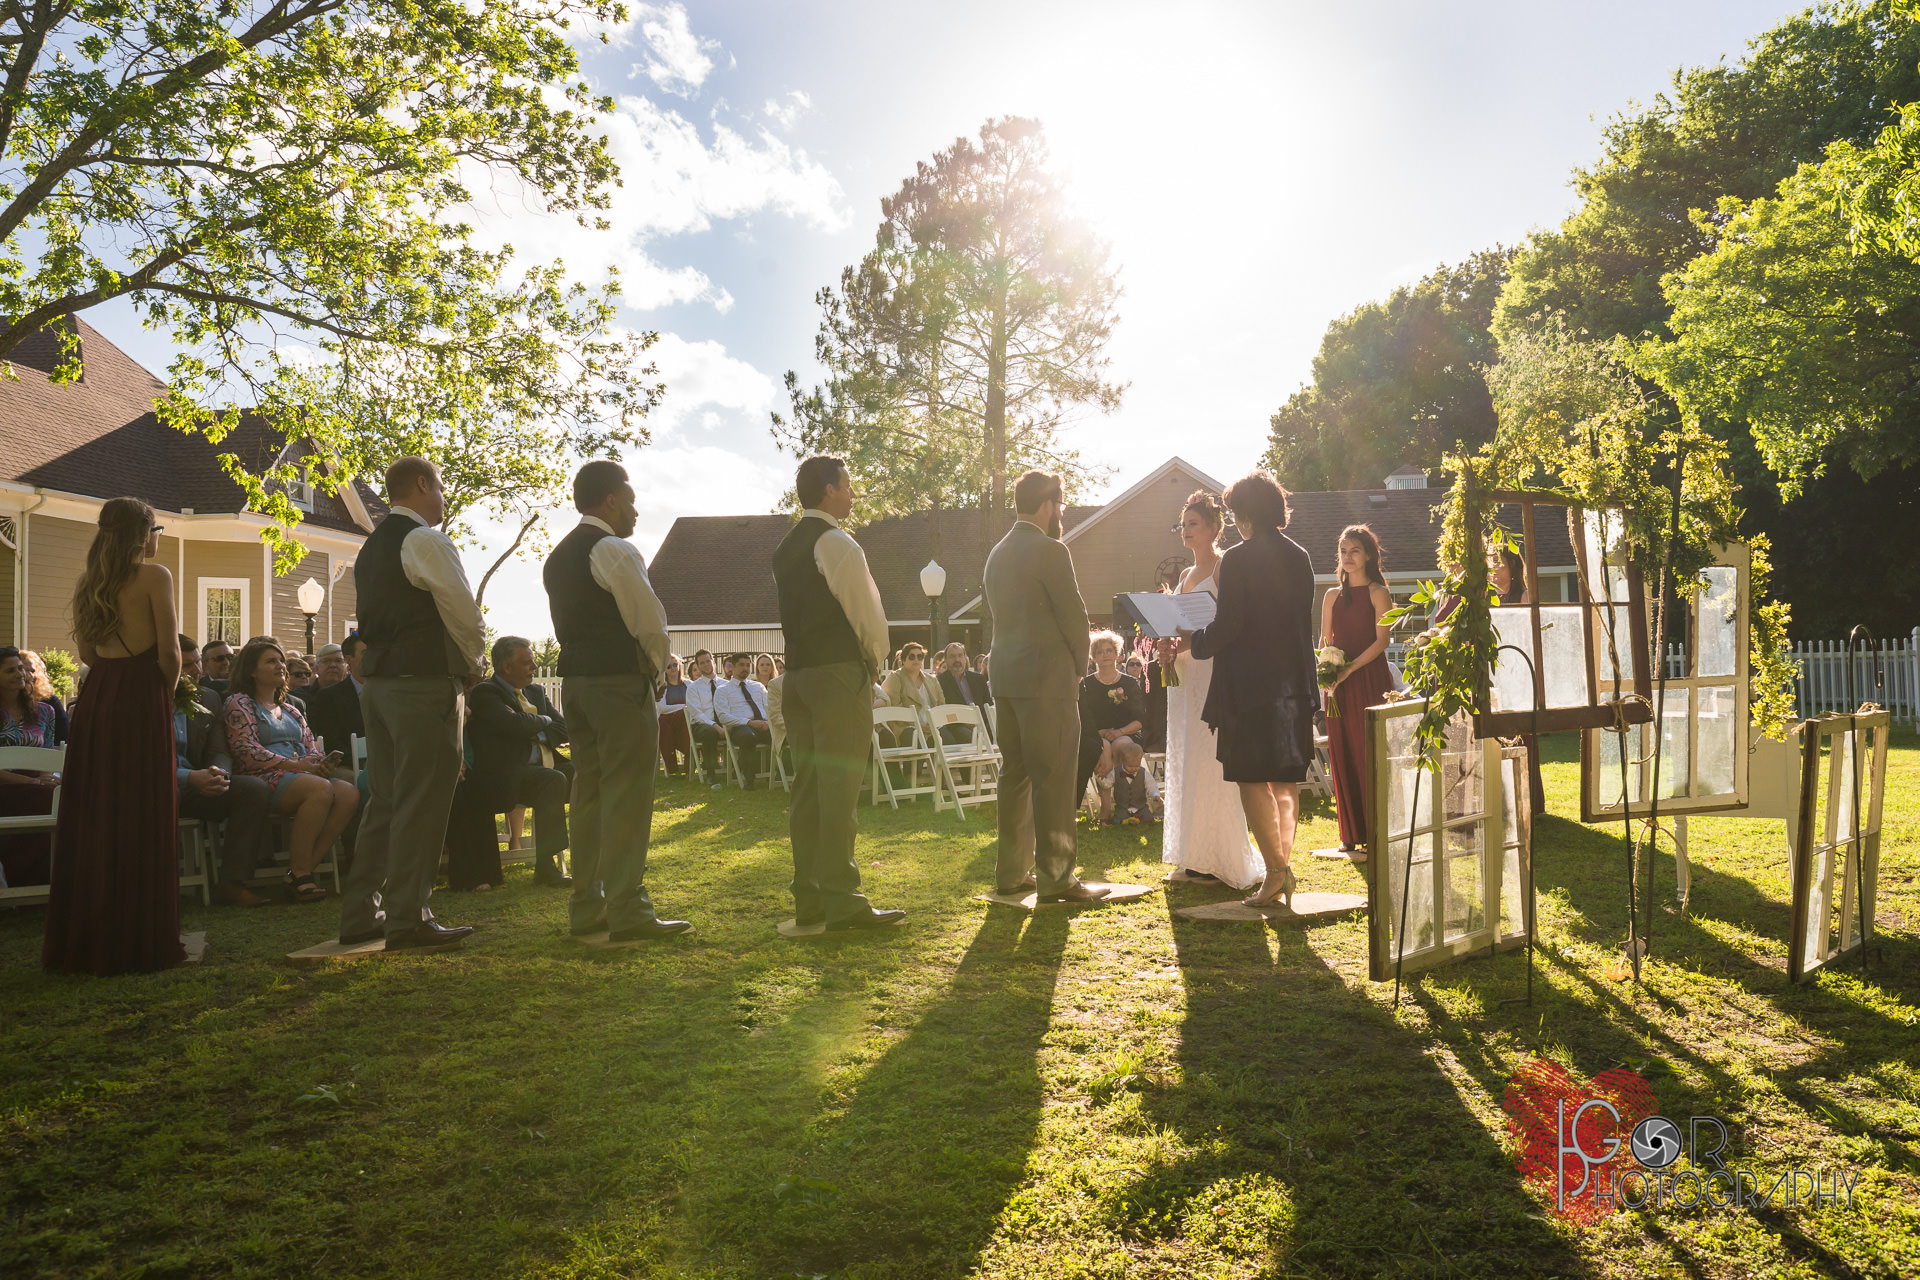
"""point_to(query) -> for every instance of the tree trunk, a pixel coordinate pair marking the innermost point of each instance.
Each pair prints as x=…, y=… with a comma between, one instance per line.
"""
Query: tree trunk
x=480, y=594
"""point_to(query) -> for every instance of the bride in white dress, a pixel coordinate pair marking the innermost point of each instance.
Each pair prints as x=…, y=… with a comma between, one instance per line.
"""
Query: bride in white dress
x=1206, y=829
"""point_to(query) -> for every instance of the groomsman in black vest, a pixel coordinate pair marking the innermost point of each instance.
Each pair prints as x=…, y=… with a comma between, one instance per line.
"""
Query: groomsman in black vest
x=424, y=643
x=836, y=636
x=613, y=649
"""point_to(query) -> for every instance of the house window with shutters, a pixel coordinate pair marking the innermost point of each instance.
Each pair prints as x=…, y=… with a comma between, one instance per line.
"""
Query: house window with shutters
x=223, y=610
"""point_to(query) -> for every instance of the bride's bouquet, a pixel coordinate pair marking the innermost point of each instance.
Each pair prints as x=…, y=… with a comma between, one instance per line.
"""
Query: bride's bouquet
x=1328, y=663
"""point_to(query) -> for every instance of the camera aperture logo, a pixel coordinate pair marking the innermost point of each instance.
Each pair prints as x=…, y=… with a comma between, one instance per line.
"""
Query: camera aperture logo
x=1591, y=1149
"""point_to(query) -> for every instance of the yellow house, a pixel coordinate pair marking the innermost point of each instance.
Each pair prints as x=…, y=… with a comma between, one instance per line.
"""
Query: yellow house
x=69, y=447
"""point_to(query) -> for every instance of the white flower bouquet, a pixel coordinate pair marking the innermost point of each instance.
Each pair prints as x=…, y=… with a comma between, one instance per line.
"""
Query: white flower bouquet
x=1328, y=663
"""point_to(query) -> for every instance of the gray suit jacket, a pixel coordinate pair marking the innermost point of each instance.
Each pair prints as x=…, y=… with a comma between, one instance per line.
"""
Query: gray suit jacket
x=207, y=734
x=1039, y=619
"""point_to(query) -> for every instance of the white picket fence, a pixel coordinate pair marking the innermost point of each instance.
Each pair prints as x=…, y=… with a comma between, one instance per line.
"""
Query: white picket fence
x=1823, y=676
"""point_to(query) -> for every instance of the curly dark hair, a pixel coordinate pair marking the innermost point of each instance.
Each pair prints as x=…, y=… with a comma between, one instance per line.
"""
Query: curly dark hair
x=1257, y=500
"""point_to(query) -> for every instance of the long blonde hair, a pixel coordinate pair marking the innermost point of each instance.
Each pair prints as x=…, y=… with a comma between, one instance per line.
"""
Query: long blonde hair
x=111, y=560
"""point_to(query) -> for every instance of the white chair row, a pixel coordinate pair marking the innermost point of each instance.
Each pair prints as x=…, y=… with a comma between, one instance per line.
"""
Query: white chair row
x=956, y=774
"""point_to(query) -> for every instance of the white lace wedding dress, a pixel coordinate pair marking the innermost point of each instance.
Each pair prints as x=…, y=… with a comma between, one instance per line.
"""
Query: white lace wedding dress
x=1205, y=829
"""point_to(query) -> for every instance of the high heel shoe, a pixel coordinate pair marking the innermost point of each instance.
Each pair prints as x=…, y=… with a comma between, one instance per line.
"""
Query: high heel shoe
x=1285, y=891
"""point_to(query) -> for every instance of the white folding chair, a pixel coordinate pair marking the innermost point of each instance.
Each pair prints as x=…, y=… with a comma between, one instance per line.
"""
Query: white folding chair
x=969, y=768
x=736, y=769
x=44, y=760
x=993, y=722
x=196, y=859
x=1319, y=772
x=904, y=744
x=697, y=758
x=780, y=764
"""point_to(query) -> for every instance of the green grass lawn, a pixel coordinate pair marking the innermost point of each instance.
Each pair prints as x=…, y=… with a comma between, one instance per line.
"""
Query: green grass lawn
x=1108, y=1092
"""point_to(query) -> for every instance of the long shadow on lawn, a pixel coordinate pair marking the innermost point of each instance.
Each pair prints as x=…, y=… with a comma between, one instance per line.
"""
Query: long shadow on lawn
x=1290, y=1075
x=912, y=1178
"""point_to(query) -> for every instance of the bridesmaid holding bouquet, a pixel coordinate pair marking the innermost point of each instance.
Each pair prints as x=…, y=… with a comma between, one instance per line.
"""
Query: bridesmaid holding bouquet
x=1350, y=624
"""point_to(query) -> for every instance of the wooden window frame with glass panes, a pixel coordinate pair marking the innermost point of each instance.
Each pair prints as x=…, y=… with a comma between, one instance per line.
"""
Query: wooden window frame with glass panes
x=1716, y=670
x=1497, y=886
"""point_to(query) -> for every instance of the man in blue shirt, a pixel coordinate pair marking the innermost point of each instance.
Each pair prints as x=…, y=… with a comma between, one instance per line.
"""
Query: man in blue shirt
x=209, y=790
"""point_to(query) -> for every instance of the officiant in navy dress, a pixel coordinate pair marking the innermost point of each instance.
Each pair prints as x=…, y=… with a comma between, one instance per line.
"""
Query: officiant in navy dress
x=1261, y=703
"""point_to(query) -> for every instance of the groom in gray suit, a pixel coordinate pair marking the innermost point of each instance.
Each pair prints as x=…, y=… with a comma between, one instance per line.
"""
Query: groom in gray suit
x=1039, y=656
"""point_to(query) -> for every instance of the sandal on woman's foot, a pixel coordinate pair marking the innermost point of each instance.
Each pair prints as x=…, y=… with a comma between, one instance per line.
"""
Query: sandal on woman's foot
x=304, y=888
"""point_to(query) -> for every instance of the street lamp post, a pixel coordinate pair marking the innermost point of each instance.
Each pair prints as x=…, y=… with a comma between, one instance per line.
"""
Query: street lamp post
x=933, y=583
x=311, y=596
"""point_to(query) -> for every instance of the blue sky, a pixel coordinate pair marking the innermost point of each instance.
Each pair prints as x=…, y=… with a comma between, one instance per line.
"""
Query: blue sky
x=1258, y=169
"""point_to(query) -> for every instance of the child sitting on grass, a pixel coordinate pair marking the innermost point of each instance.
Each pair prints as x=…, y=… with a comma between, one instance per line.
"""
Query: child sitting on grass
x=1136, y=796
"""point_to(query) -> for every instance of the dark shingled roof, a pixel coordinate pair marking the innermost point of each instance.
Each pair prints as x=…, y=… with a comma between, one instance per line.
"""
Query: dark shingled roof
x=1404, y=522
x=100, y=437
x=717, y=571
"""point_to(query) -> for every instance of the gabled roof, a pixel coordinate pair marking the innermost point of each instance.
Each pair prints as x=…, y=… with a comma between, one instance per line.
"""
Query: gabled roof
x=100, y=437
x=717, y=571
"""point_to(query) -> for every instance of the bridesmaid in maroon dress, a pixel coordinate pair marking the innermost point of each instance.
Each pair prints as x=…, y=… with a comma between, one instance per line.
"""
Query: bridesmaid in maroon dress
x=1350, y=622
x=114, y=903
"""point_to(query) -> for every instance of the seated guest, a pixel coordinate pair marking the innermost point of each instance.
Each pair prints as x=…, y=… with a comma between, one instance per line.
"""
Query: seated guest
x=334, y=712
x=515, y=732
x=959, y=684
x=741, y=704
x=1136, y=796
x=980, y=664
x=24, y=722
x=1113, y=708
x=766, y=669
x=703, y=690
x=216, y=665
x=300, y=679
x=329, y=666
x=674, y=738
x=43, y=692
x=910, y=686
x=210, y=792
x=268, y=739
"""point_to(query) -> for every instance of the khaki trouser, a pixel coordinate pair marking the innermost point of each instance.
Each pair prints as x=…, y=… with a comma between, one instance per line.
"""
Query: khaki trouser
x=613, y=727
x=829, y=720
x=413, y=765
x=1039, y=748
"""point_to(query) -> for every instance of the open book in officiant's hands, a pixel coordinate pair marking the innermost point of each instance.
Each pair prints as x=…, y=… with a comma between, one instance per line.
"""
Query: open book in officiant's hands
x=1162, y=615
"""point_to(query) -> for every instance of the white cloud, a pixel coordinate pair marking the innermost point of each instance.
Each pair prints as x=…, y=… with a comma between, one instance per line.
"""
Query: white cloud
x=674, y=182
x=701, y=379
x=677, y=60
x=784, y=112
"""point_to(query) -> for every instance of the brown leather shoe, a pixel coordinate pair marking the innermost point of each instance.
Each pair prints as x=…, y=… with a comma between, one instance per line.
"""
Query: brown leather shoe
x=1021, y=887
x=1078, y=891
x=237, y=895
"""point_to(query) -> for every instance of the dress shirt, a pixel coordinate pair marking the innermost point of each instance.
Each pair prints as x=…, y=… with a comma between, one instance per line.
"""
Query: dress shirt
x=844, y=565
x=701, y=692
x=619, y=568
x=731, y=702
x=432, y=563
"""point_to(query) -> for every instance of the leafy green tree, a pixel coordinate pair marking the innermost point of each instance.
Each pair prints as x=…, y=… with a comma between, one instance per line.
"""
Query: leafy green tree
x=958, y=349
x=282, y=188
x=1033, y=299
x=1653, y=204
x=1833, y=72
x=1395, y=382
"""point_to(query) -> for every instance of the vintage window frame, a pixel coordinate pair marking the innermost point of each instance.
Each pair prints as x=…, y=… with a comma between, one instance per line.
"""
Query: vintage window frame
x=1511, y=722
x=1814, y=859
x=1487, y=758
x=1598, y=776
